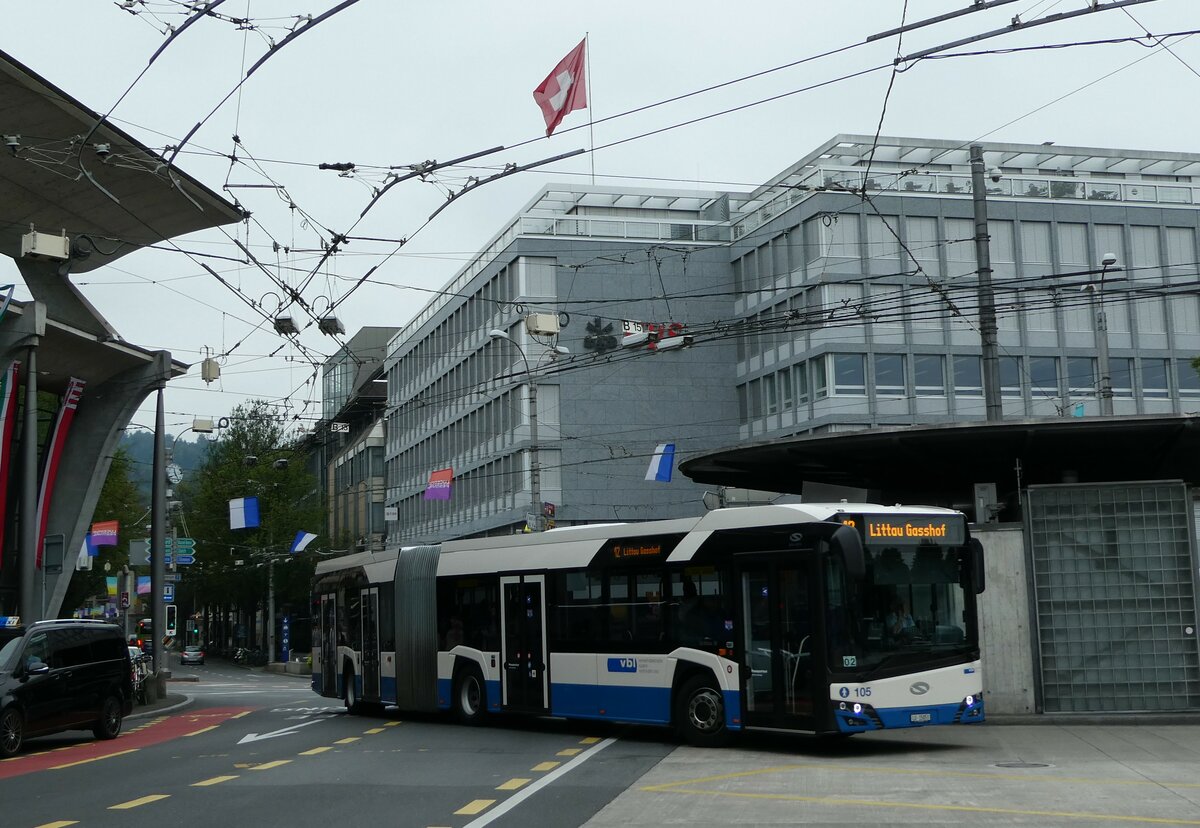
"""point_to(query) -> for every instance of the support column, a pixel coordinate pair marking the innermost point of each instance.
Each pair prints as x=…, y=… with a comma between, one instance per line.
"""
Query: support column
x=158, y=534
x=30, y=601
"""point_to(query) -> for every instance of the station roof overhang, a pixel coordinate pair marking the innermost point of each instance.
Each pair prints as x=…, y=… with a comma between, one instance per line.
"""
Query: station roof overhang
x=942, y=462
x=53, y=176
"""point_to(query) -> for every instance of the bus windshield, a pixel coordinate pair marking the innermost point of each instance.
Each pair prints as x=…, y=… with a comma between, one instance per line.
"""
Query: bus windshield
x=909, y=608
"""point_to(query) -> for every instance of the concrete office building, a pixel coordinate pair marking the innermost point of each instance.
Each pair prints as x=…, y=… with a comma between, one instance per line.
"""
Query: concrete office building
x=838, y=299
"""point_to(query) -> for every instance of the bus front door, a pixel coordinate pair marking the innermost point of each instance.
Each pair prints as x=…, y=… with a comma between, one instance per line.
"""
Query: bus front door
x=370, y=644
x=524, y=679
x=777, y=646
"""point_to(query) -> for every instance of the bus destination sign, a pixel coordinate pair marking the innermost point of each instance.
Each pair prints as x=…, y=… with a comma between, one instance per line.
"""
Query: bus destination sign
x=631, y=549
x=909, y=530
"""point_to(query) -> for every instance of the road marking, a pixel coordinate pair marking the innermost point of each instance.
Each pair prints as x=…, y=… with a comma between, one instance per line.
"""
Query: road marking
x=513, y=784
x=347, y=740
x=60, y=824
x=519, y=797
x=315, y=751
x=390, y=724
x=93, y=759
x=569, y=752
x=475, y=807
x=374, y=730
x=269, y=765
x=201, y=730
x=542, y=767
x=216, y=780
x=589, y=740
x=244, y=713
x=283, y=731
x=133, y=803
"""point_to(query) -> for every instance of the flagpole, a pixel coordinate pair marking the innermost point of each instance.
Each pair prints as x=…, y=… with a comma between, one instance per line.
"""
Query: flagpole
x=587, y=55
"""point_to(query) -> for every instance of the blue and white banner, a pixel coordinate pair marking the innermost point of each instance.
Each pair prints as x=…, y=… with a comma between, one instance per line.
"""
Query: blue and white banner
x=662, y=463
x=243, y=513
x=303, y=539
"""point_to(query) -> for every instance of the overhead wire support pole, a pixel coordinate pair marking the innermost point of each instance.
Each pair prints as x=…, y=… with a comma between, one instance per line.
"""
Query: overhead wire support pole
x=987, y=298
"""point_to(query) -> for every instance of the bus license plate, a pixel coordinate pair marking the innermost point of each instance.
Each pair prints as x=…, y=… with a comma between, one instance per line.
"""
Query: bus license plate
x=920, y=717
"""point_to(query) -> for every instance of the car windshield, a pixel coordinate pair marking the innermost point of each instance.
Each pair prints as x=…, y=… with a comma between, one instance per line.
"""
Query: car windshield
x=9, y=652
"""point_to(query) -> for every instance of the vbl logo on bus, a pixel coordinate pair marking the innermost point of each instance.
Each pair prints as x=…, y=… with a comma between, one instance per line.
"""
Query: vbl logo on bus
x=622, y=665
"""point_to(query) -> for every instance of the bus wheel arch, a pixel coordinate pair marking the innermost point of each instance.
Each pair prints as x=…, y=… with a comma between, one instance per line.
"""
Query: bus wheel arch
x=699, y=709
x=468, y=697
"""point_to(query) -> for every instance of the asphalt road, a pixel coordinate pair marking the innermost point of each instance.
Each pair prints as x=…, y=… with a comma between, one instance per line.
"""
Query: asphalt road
x=260, y=749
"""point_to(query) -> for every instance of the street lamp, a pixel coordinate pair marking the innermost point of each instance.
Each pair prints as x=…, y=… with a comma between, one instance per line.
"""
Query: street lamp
x=1106, y=391
x=535, y=472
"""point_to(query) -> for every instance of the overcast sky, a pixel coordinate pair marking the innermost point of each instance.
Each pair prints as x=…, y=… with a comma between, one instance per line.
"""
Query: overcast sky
x=385, y=83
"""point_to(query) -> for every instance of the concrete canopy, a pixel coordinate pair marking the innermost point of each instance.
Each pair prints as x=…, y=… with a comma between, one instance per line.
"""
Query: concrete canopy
x=43, y=183
x=940, y=464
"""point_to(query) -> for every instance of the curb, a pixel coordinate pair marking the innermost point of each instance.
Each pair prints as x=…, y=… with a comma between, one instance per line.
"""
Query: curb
x=186, y=700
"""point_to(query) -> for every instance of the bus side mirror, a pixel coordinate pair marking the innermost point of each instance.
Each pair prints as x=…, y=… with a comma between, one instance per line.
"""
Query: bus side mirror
x=846, y=543
x=974, y=562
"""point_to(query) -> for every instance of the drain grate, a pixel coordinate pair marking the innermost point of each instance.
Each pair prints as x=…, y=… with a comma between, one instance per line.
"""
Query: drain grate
x=1021, y=765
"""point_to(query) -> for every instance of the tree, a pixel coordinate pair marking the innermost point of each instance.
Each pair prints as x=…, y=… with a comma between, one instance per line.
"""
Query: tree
x=288, y=502
x=121, y=501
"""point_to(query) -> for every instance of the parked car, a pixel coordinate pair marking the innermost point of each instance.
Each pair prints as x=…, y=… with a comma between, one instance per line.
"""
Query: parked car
x=60, y=675
x=192, y=654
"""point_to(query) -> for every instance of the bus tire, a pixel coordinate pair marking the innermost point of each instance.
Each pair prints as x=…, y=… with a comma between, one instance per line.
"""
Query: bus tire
x=700, y=713
x=470, y=696
x=353, y=705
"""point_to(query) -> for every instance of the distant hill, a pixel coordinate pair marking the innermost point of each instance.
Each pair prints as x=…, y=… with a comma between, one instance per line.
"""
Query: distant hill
x=189, y=456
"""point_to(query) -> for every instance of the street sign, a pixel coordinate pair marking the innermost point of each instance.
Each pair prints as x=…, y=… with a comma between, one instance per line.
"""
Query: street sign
x=166, y=558
x=339, y=428
x=124, y=600
x=168, y=592
x=176, y=577
x=181, y=544
x=184, y=560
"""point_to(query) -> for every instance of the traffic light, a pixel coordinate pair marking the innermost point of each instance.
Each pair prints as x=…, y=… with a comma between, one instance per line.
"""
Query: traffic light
x=172, y=616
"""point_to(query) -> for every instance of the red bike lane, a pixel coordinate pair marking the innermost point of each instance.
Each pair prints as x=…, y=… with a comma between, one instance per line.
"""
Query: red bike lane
x=142, y=735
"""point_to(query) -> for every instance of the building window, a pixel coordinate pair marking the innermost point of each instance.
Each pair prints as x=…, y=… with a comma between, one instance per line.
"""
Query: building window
x=968, y=376
x=770, y=394
x=1081, y=376
x=1043, y=376
x=820, y=382
x=849, y=374
x=800, y=375
x=785, y=388
x=1154, y=379
x=1120, y=372
x=1189, y=379
x=889, y=375
x=1010, y=376
x=756, y=402
x=929, y=375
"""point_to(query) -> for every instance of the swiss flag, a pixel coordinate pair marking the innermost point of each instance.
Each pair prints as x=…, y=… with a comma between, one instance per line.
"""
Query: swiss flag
x=564, y=89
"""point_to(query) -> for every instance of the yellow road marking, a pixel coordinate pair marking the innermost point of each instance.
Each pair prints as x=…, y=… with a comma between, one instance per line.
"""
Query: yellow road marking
x=239, y=715
x=269, y=765
x=544, y=766
x=243, y=764
x=216, y=780
x=390, y=724
x=60, y=824
x=590, y=740
x=201, y=730
x=94, y=759
x=374, y=730
x=920, y=806
x=569, y=752
x=347, y=740
x=513, y=784
x=315, y=751
x=475, y=807
x=1014, y=777
x=133, y=803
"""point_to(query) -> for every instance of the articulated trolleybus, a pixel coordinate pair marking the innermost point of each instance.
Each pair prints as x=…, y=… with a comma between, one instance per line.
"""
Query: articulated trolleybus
x=838, y=618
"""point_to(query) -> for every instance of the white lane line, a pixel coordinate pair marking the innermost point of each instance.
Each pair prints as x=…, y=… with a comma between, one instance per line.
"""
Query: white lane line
x=516, y=799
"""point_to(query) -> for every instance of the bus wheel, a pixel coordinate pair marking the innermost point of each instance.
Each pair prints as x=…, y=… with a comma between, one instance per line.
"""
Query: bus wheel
x=700, y=713
x=470, y=697
x=352, y=703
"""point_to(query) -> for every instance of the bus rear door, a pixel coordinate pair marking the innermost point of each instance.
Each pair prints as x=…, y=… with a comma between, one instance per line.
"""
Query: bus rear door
x=370, y=643
x=329, y=654
x=777, y=643
x=524, y=680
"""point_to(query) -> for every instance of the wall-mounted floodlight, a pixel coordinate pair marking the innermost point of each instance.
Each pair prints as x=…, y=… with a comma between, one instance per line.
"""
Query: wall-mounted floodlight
x=673, y=343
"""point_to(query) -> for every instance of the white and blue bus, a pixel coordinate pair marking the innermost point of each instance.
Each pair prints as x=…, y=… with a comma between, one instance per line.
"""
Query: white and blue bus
x=834, y=618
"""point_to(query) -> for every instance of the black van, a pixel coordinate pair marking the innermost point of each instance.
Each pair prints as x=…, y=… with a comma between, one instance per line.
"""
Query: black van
x=67, y=674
